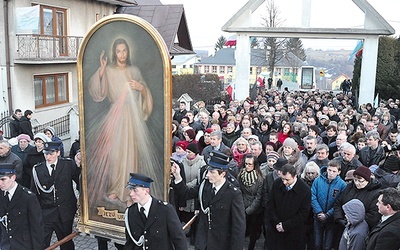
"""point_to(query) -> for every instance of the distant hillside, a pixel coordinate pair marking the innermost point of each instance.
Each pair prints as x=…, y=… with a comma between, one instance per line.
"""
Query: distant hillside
x=335, y=62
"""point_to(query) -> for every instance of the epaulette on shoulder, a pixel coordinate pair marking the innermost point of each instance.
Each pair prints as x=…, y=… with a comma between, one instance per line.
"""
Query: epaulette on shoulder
x=233, y=187
x=38, y=164
x=26, y=190
x=163, y=203
x=66, y=159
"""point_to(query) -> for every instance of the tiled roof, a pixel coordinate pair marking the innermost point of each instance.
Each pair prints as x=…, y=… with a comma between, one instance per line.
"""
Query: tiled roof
x=170, y=22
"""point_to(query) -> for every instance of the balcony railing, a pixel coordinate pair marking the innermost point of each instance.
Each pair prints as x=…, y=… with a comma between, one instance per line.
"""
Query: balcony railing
x=44, y=48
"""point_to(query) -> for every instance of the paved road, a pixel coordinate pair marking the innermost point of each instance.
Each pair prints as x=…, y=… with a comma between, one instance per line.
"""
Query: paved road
x=87, y=242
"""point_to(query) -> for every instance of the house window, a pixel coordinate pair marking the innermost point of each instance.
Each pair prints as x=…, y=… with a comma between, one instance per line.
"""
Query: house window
x=229, y=69
x=286, y=71
x=258, y=70
x=184, y=66
x=222, y=69
x=214, y=69
x=206, y=69
x=53, y=22
x=51, y=89
x=251, y=70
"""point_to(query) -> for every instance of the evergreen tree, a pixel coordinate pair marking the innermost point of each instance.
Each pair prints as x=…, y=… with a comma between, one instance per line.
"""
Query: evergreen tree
x=220, y=43
x=295, y=45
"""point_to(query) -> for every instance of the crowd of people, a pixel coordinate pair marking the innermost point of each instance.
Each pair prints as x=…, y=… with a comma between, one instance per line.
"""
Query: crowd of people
x=314, y=170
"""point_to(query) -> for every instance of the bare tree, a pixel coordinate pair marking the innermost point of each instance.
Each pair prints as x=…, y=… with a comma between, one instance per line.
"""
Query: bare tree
x=274, y=46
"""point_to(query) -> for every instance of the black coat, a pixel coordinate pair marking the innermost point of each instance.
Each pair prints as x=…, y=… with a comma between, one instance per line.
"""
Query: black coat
x=385, y=236
x=226, y=230
x=14, y=126
x=162, y=230
x=10, y=157
x=34, y=157
x=25, y=226
x=26, y=127
x=368, y=196
x=292, y=209
x=64, y=204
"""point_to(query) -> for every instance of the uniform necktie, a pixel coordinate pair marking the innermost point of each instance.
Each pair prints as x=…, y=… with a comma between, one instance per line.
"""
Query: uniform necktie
x=52, y=169
x=213, y=192
x=143, y=215
x=288, y=188
x=7, y=198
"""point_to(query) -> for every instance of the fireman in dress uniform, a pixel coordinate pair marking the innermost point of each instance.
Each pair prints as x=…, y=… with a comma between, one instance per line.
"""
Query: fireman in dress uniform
x=221, y=220
x=151, y=223
x=20, y=216
x=52, y=183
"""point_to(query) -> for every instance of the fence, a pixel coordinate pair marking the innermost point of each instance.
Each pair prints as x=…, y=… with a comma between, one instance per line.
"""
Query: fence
x=61, y=125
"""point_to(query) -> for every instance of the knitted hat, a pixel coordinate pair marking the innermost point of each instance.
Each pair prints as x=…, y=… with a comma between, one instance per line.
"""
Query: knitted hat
x=51, y=129
x=273, y=155
x=190, y=132
x=349, y=175
x=208, y=130
x=363, y=172
x=391, y=163
x=289, y=142
x=181, y=144
x=23, y=137
x=192, y=147
x=42, y=137
x=280, y=163
x=253, y=137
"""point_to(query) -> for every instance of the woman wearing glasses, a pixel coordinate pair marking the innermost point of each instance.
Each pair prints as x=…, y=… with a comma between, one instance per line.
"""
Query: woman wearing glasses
x=251, y=184
x=364, y=188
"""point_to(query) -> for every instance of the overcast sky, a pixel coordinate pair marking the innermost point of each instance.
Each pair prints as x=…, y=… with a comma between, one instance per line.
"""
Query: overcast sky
x=205, y=18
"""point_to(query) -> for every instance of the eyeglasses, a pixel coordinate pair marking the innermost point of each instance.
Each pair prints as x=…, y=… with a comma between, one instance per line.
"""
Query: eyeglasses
x=248, y=163
x=359, y=180
x=311, y=173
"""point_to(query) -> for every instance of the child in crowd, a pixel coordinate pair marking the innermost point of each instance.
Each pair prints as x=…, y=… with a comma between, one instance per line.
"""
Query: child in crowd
x=180, y=151
x=356, y=230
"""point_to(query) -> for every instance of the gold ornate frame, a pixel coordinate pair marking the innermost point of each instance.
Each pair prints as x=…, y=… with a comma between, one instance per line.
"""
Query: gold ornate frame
x=151, y=48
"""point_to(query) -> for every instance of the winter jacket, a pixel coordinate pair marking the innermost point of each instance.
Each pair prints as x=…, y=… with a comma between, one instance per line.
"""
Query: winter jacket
x=325, y=193
x=367, y=195
x=252, y=196
x=297, y=159
x=387, y=179
x=229, y=138
x=353, y=237
x=369, y=157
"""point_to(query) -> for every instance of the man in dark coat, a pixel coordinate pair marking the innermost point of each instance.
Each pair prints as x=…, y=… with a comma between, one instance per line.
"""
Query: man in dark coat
x=22, y=226
x=15, y=122
x=25, y=124
x=215, y=144
x=289, y=204
x=385, y=236
x=151, y=223
x=52, y=183
x=221, y=220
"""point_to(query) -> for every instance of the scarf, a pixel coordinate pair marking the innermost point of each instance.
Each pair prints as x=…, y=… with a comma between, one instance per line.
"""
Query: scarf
x=248, y=178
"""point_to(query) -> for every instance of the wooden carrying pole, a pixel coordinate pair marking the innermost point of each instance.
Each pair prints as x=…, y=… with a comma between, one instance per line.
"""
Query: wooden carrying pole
x=66, y=239
x=189, y=222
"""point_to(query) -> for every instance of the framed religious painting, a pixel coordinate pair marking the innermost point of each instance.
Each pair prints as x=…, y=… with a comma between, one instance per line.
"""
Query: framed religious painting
x=124, y=73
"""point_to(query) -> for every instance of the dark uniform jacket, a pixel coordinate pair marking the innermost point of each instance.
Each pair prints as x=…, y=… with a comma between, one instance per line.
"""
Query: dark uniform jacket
x=63, y=203
x=292, y=209
x=385, y=236
x=34, y=157
x=162, y=230
x=227, y=225
x=24, y=221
